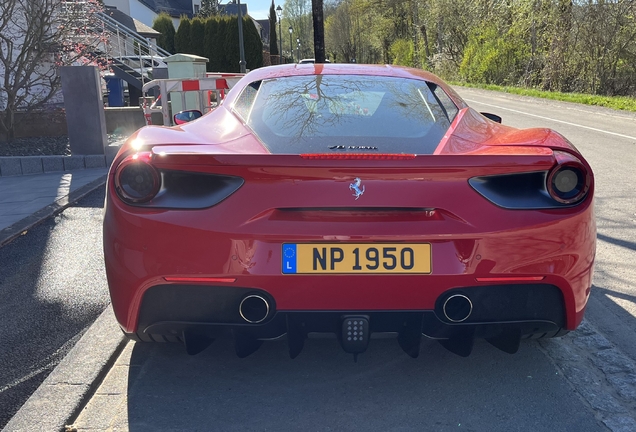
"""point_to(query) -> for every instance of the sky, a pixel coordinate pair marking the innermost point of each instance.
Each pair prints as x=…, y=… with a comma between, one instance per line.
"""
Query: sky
x=259, y=9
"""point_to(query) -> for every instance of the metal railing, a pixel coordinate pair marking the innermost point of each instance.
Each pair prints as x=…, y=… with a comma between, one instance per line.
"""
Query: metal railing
x=120, y=45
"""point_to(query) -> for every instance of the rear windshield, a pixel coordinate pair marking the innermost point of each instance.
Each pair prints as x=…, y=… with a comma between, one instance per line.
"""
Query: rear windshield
x=326, y=113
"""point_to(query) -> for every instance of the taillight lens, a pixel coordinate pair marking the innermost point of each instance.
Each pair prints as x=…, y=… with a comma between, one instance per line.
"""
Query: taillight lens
x=136, y=180
x=569, y=181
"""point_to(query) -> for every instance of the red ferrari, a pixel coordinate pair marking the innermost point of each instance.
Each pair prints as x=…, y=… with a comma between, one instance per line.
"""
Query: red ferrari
x=352, y=200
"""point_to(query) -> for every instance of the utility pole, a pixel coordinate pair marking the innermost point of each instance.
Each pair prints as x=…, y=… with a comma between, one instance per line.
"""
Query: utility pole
x=242, y=62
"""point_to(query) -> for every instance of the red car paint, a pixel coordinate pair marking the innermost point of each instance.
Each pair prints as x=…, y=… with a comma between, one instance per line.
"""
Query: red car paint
x=238, y=241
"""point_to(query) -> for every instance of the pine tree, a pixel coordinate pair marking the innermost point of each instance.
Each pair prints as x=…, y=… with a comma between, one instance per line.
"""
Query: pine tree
x=253, y=44
x=182, y=42
x=210, y=47
x=163, y=24
x=273, y=42
x=197, y=36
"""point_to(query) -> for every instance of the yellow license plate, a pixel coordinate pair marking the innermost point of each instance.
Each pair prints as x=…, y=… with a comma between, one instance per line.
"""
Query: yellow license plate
x=356, y=258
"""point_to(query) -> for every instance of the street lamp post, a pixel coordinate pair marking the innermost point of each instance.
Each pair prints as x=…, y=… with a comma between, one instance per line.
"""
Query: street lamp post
x=291, y=48
x=279, y=12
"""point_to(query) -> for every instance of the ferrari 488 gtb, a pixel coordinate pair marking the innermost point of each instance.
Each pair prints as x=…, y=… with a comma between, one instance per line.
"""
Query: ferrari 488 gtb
x=353, y=200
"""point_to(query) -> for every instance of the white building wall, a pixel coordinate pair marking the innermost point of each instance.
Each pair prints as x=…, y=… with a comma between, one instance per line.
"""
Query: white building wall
x=142, y=13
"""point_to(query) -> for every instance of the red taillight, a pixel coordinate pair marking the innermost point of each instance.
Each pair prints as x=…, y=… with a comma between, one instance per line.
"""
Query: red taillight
x=569, y=181
x=357, y=156
x=136, y=180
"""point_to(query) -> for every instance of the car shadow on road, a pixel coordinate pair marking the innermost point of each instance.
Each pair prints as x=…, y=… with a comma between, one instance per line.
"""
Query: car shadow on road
x=619, y=242
x=323, y=389
x=52, y=287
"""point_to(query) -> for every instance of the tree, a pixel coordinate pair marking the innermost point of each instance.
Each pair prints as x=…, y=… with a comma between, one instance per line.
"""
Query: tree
x=36, y=37
x=273, y=40
x=182, y=41
x=163, y=24
x=218, y=58
x=211, y=33
x=197, y=37
x=251, y=42
x=339, y=34
x=297, y=14
x=209, y=8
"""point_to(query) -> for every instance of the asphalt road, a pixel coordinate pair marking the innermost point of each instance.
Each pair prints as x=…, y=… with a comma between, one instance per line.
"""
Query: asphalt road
x=52, y=288
x=607, y=139
x=585, y=381
x=582, y=382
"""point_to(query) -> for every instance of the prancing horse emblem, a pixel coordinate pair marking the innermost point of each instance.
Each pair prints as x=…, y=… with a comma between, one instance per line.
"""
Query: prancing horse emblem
x=355, y=187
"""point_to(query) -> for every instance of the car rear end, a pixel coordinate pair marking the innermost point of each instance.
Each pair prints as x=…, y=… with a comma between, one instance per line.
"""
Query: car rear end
x=370, y=238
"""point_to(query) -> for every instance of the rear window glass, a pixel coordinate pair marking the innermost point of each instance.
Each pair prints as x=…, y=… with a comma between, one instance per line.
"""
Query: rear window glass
x=325, y=113
x=445, y=101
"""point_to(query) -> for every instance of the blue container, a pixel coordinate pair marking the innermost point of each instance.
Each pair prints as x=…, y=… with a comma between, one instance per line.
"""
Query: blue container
x=115, y=88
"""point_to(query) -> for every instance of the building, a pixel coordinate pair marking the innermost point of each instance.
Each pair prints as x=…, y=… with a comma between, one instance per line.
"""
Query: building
x=146, y=11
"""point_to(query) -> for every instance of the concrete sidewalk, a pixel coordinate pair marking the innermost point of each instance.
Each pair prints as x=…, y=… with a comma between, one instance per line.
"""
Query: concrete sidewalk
x=27, y=200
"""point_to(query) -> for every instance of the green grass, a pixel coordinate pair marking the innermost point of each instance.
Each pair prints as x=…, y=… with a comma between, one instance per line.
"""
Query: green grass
x=616, y=102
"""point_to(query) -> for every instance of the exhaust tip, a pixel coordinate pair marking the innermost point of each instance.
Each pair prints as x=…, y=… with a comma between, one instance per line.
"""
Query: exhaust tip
x=457, y=308
x=254, y=309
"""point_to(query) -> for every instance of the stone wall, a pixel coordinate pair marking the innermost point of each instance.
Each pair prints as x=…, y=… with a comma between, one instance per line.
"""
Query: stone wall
x=46, y=123
x=124, y=120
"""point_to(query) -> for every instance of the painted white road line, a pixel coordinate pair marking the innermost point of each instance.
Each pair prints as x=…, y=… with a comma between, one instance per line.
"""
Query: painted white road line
x=551, y=119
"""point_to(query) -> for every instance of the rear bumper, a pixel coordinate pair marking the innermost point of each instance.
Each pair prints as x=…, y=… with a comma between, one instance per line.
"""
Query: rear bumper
x=210, y=310
x=144, y=247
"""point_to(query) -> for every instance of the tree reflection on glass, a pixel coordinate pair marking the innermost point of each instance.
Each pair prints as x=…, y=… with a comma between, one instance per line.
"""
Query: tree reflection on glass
x=326, y=110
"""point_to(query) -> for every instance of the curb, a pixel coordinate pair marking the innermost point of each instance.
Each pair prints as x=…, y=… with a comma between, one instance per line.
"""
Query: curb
x=12, y=166
x=69, y=387
x=17, y=229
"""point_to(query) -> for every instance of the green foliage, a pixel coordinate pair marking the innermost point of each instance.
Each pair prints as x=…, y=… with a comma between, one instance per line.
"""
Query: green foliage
x=490, y=57
x=559, y=45
x=182, y=41
x=210, y=46
x=218, y=58
x=163, y=24
x=297, y=14
x=197, y=37
x=252, y=44
x=401, y=51
x=614, y=102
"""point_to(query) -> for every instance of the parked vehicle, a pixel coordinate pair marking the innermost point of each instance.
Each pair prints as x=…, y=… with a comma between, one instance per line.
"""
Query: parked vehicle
x=348, y=199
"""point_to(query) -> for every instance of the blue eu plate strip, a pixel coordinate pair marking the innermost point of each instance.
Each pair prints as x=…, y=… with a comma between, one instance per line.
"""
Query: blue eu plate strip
x=289, y=258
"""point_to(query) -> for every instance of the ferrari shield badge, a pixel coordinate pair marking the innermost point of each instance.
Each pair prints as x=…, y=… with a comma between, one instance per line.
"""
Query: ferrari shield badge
x=355, y=187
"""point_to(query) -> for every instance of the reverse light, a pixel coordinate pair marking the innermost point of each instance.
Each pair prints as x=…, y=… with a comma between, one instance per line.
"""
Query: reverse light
x=569, y=181
x=136, y=180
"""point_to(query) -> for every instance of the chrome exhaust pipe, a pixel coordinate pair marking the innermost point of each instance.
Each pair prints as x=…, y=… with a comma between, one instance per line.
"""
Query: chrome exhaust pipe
x=457, y=308
x=254, y=309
